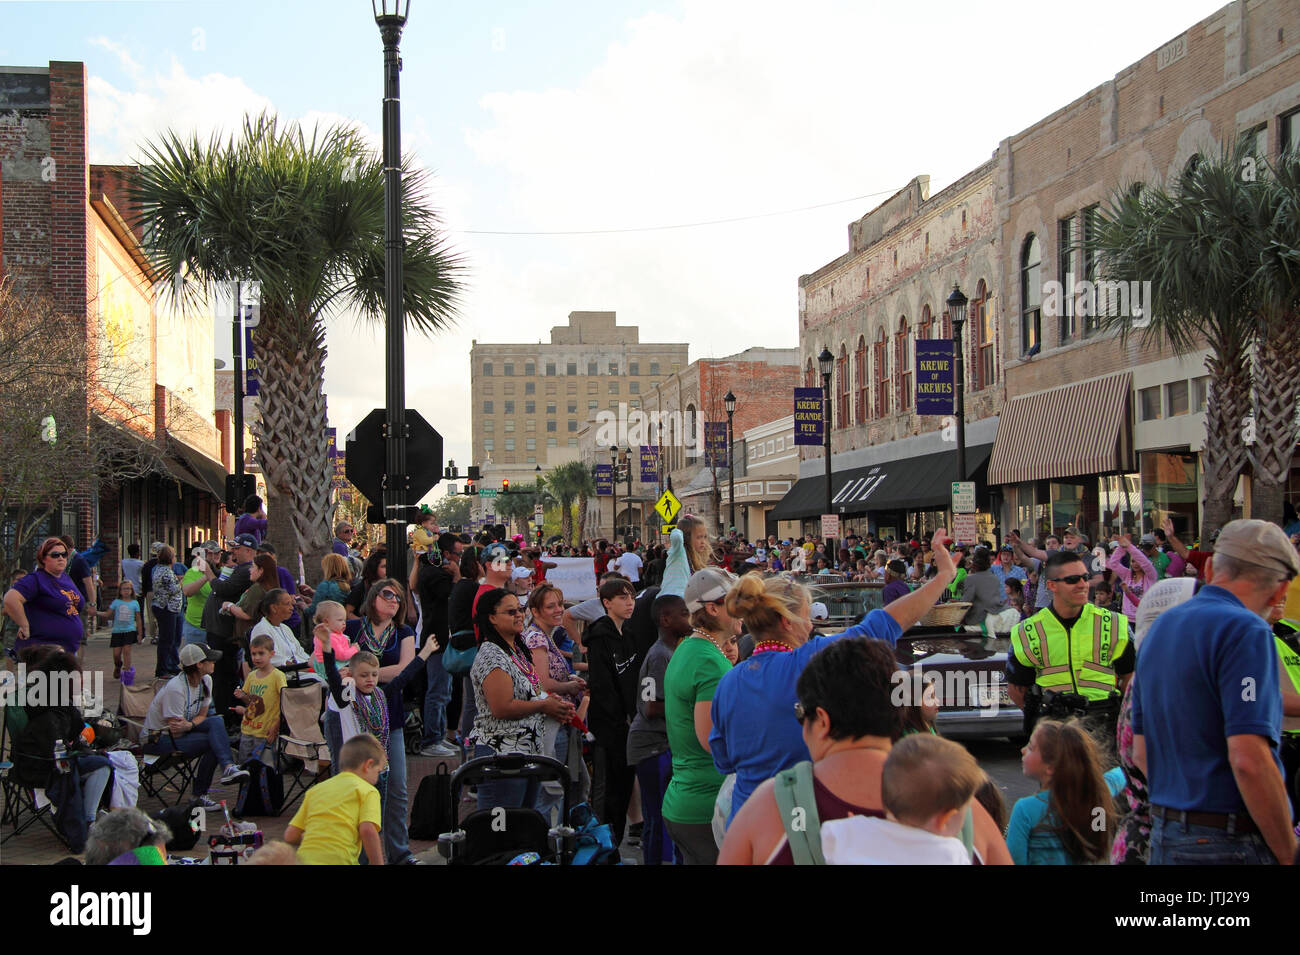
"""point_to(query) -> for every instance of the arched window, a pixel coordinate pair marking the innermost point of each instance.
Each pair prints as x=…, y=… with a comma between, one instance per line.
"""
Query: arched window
x=842, y=388
x=881, y=358
x=860, y=376
x=923, y=328
x=903, y=362
x=810, y=375
x=1031, y=294
x=981, y=312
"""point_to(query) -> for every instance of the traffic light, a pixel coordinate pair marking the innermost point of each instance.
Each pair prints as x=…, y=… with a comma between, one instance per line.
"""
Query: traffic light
x=470, y=488
x=505, y=486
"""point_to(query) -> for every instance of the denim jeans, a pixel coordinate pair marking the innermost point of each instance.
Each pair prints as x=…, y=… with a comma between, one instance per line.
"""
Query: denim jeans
x=210, y=739
x=436, y=697
x=1178, y=843
x=333, y=737
x=95, y=772
x=468, y=708
x=192, y=634
x=396, y=848
x=654, y=773
x=169, y=641
x=510, y=793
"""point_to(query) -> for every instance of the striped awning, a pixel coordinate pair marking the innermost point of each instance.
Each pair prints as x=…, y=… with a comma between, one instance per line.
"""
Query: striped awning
x=1065, y=432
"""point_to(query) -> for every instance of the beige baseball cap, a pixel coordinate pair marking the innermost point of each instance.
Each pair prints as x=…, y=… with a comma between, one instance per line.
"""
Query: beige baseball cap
x=1260, y=544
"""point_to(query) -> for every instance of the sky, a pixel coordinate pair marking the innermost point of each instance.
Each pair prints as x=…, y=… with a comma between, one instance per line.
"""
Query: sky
x=636, y=120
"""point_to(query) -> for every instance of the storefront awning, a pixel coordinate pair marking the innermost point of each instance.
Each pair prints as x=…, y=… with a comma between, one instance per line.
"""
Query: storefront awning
x=908, y=484
x=211, y=475
x=1071, y=431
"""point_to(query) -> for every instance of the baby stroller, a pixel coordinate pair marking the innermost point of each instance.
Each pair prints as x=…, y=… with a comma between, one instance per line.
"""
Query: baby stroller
x=497, y=835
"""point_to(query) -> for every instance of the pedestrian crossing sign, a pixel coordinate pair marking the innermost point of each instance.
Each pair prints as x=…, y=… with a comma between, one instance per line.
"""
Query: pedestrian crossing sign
x=668, y=507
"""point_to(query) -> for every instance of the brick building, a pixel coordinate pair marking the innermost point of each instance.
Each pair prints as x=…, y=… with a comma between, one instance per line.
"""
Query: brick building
x=891, y=467
x=64, y=234
x=1095, y=431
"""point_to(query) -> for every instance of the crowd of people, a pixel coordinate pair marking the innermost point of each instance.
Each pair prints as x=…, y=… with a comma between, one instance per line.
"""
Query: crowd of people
x=670, y=693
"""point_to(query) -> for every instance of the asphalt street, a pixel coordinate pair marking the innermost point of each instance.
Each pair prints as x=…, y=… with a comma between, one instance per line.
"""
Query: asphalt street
x=1000, y=758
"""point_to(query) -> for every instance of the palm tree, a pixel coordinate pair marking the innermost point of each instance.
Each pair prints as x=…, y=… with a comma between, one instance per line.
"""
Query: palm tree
x=304, y=217
x=565, y=482
x=518, y=505
x=585, y=480
x=1195, y=244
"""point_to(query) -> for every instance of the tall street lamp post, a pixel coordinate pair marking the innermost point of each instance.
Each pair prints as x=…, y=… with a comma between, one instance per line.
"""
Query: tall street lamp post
x=391, y=16
x=957, y=312
x=826, y=363
x=613, y=484
x=729, y=402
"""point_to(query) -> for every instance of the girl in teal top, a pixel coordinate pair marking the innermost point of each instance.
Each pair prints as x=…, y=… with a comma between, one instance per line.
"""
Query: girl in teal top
x=1058, y=825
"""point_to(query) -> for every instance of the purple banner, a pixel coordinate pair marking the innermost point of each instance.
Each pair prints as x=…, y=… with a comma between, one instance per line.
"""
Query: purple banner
x=252, y=377
x=649, y=464
x=604, y=480
x=935, y=374
x=715, y=444
x=808, y=416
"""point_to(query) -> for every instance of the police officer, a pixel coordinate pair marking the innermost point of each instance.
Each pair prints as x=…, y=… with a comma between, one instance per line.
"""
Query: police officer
x=1070, y=658
x=1286, y=635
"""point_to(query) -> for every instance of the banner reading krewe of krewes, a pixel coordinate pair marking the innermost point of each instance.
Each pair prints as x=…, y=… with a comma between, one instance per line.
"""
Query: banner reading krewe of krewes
x=649, y=464
x=808, y=416
x=604, y=480
x=935, y=377
x=715, y=444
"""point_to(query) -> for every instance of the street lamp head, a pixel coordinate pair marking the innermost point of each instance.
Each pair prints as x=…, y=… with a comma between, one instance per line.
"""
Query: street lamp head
x=957, y=306
x=729, y=402
x=391, y=11
x=826, y=361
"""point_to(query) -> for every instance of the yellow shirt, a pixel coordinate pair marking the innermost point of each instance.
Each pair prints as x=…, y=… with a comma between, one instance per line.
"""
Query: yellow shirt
x=262, y=712
x=330, y=817
x=1292, y=609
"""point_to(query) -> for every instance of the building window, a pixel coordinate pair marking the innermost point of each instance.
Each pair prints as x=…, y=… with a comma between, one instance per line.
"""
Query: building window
x=573, y=442
x=634, y=368
x=634, y=402
x=510, y=369
x=923, y=329
x=530, y=424
x=572, y=407
x=488, y=388
x=510, y=424
x=550, y=407
x=510, y=444
x=550, y=388
x=654, y=367
x=1290, y=132
x=1065, y=275
x=881, y=359
x=1200, y=393
x=810, y=375
x=1031, y=294
x=570, y=387
x=530, y=368
x=634, y=387
x=509, y=388
x=591, y=406
x=903, y=362
x=1149, y=403
x=573, y=426
x=487, y=405
x=551, y=443
x=550, y=369
x=510, y=407
x=489, y=426
x=613, y=368
x=488, y=444
x=530, y=407
x=487, y=369
x=842, y=386
x=985, y=360
x=593, y=368
x=550, y=426
x=613, y=387
x=530, y=387
x=1091, y=323
x=530, y=444
x=592, y=387
x=571, y=368
x=1176, y=398
x=860, y=376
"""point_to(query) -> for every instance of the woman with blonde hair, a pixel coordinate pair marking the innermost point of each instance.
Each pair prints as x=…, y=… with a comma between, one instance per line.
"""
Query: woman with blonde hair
x=698, y=549
x=753, y=735
x=336, y=585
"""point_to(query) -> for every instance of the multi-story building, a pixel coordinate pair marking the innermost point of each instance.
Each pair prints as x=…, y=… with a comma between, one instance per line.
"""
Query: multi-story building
x=66, y=233
x=891, y=467
x=767, y=465
x=1094, y=430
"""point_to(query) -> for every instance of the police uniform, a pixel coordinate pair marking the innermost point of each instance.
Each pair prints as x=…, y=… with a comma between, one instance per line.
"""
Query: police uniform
x=1084, y=660
x=1287, y=638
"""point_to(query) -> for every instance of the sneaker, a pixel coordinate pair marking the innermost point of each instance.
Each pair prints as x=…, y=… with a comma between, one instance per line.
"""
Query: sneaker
x=439, y=751
x=208, y=804
x=233, y=774
x=117, y=673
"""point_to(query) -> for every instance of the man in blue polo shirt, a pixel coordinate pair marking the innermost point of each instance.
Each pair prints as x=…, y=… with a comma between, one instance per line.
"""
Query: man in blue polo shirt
x=1207, y=710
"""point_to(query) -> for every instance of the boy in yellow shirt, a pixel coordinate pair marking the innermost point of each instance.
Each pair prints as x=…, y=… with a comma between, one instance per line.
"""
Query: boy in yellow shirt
x=261, y=699
x=343, y=815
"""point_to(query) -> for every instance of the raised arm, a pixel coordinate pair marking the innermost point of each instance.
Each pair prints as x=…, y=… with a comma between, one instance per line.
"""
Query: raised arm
x=1179, y=547
x=1024, y=549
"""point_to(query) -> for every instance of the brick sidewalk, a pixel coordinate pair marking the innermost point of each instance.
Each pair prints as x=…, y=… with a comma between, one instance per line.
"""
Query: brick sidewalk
x=37, y=846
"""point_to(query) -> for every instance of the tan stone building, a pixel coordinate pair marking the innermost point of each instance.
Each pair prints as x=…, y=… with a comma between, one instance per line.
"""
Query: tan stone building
x=1094, y=431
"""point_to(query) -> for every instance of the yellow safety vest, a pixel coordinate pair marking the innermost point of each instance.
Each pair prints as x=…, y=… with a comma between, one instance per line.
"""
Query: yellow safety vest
x=1290, y=661
x=1081, y=661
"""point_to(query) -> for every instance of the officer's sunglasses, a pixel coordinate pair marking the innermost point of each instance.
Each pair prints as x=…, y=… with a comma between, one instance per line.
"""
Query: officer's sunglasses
x=1072, y=579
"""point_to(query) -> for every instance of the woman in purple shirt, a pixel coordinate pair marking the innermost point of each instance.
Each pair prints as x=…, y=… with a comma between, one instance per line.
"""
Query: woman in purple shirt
x=46, y=604
x=895, y=582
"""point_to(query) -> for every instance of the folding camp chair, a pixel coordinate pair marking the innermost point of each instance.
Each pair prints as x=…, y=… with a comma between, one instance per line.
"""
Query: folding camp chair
x=300, y=748
x=161, y=774
x=23, y=805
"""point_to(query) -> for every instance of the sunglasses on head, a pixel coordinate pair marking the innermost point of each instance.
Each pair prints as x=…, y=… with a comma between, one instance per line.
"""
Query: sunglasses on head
x=1071, y=579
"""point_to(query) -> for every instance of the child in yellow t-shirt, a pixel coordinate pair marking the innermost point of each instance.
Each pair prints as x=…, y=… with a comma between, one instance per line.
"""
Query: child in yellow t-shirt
x=261, y=699
x=341, y=816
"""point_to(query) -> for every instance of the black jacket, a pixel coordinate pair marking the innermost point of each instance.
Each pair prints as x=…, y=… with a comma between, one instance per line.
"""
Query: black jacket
x=433, y=584
x=613, y=668
x=219, y=624
x=34, y=746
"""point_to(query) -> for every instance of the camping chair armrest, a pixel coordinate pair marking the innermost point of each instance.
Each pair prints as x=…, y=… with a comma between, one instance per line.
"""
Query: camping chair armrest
x=146, y=735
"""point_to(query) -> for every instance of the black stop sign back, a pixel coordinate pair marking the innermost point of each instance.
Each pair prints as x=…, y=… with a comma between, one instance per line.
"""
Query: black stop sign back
x=366, y=458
